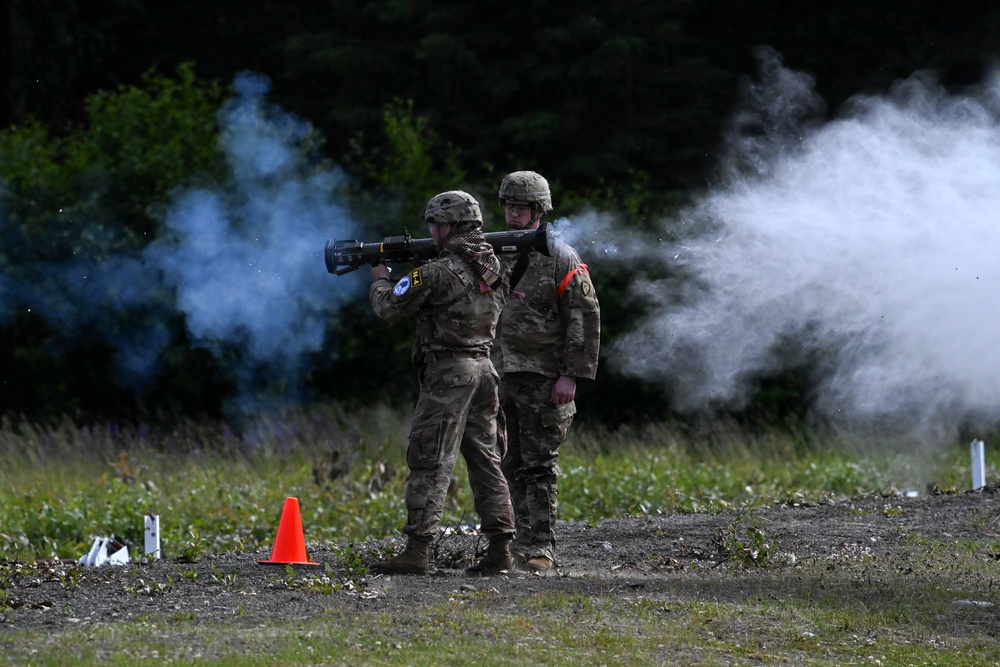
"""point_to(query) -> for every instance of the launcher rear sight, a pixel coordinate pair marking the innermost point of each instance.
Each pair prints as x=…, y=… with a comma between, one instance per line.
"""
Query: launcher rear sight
x=345, y=256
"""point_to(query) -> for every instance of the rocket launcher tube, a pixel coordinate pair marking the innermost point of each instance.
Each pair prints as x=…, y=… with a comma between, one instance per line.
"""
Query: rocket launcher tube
x=345, y=256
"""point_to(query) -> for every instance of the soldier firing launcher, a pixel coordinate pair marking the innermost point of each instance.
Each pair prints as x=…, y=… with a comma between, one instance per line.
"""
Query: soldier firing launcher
x=346, y=256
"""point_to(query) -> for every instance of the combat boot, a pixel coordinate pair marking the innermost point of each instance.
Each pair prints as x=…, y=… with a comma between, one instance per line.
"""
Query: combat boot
x=412, y=560
x=496, y=560
x=540, y=564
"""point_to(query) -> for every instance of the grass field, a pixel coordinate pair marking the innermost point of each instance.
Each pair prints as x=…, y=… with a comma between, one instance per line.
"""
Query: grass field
x=219, y=491
x=216, y=489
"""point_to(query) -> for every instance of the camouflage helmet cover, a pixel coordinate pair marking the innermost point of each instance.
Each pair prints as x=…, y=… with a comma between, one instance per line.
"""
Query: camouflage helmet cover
x=527, y=186
x=453, y=207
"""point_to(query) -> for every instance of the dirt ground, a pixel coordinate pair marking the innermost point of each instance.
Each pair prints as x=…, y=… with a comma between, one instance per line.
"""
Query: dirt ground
x=677, y=556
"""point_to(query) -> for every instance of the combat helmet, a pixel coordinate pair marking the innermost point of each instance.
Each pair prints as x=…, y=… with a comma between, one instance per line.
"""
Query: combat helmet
x=526, y=186
x=453, y=207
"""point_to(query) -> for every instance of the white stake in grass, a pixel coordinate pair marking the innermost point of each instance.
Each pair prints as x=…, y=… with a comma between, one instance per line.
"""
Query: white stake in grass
x=152, y=549
x=978, y=465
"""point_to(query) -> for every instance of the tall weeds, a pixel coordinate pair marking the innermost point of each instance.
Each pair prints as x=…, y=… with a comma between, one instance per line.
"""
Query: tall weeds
x=220, y=486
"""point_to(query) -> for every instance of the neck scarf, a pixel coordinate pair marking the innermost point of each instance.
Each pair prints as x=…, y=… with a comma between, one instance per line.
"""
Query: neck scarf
x=473, y=247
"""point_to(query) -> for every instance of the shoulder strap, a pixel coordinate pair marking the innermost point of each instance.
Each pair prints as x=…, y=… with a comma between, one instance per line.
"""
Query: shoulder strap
x=519, y=269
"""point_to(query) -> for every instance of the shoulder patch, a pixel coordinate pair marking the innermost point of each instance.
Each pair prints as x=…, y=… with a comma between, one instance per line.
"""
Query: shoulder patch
x=402, y=287
x=406, y=283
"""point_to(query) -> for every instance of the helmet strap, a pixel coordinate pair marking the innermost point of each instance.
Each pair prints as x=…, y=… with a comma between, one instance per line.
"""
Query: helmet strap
x=443, y=239
x=536, y=212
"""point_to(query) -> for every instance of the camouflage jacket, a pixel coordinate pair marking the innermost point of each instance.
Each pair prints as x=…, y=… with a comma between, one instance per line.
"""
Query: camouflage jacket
x=455, y=312
x=556, y=330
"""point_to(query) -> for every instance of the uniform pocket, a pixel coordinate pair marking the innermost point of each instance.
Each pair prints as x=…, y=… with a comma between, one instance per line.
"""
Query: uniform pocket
x=425, y=447
x=554, y=415
x=457, y=379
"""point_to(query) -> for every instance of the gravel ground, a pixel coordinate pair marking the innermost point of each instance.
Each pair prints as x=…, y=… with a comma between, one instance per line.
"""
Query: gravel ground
x=675, y=556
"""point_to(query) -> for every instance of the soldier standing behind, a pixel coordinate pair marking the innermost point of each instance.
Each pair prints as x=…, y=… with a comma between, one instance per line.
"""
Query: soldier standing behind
x=456, y=300
x=547, y=338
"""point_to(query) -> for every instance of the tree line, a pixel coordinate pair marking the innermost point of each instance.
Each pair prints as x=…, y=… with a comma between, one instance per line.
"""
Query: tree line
x=110, y=106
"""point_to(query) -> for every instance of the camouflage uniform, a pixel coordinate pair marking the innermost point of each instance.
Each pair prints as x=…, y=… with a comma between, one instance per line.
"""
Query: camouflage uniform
x=555, y=331
x=456, y=411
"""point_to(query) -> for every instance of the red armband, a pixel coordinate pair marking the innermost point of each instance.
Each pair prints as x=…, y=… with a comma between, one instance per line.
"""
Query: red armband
x=569, y=276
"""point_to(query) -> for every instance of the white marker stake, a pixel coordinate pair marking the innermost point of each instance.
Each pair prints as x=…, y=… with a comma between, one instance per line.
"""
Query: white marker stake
x=152, y=536
x=978, y=465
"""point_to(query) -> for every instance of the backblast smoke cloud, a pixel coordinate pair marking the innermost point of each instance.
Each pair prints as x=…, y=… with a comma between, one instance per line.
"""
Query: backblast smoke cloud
x=863, y=248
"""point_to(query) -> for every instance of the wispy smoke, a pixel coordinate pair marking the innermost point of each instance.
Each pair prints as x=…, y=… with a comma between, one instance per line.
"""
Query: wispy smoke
x=240, y=262
x=247, y=261
x=865, y=247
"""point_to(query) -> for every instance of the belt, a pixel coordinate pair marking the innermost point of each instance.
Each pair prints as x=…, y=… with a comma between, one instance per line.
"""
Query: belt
x=438, y=355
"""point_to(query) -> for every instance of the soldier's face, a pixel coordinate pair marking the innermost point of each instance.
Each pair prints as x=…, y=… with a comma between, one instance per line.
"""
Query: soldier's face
x=518, y=215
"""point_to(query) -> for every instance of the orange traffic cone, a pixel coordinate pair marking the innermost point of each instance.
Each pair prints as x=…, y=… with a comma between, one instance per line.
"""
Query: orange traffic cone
x=290, y=543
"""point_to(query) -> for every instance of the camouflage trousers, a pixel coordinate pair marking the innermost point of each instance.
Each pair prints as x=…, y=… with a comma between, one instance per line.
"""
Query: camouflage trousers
x=456, y=413
x=535, y=429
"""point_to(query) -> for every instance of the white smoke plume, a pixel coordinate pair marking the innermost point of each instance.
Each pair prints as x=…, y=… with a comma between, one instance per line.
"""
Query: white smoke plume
x=865, y=246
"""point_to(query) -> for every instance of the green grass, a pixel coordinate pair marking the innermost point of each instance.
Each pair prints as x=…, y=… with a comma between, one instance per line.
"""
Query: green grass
x=217, y=490
x=480, y=629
